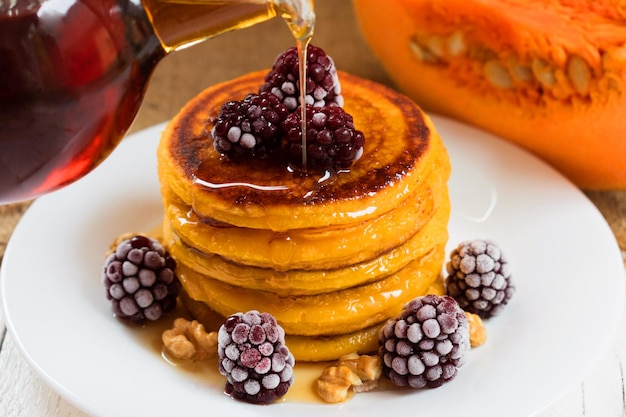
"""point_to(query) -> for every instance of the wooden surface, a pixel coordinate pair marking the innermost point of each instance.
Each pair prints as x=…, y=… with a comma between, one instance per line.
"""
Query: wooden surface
x=182, y=75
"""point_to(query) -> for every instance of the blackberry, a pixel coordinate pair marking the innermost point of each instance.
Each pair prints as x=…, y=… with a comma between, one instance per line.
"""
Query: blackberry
x=249, y=127
x=331, y=139
x=322, y=82
x=254, y=358
x=140, y=279
x=425, y=345
x=479, y=278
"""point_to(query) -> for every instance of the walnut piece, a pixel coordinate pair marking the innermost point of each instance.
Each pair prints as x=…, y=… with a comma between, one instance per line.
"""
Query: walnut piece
x=335, y=382
x=188, y=340
x=477, y=331
x=351, y=373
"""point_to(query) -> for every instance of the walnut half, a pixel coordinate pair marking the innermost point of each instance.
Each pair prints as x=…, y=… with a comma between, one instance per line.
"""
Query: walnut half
x=335, y=382
x=351, y=373
x=188, y=340
x=477, y=331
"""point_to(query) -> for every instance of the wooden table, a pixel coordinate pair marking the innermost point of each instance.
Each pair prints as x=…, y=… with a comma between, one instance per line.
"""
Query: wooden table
x=182, y=75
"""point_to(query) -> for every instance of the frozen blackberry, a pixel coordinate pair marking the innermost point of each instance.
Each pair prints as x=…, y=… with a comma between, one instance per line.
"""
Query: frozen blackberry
x=479, y=278
x=140, y=279
x=254, y=358
x=322, y=82
x=331, y=139
x=249, y=127
x=426, y=344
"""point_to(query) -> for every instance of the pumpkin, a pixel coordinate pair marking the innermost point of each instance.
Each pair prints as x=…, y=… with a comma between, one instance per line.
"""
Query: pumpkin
x=547, y=75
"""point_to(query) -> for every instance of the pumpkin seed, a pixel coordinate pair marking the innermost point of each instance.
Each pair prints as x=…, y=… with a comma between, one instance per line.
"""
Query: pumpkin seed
x=543, y=72
x=435, y=45
x=522, y=72
x=519, y=71
x=563, y=88
x=420, y=52
x=579, y=74
x=497, y=74
x=456, y=44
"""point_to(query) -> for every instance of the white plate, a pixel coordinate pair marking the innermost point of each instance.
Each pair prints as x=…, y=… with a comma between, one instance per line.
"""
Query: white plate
x=565, y=262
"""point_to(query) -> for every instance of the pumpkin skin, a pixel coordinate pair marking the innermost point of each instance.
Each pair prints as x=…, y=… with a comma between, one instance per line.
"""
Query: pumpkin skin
x=549, y=76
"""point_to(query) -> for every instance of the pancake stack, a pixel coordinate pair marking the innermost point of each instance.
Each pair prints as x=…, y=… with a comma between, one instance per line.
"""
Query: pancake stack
x=331, y=256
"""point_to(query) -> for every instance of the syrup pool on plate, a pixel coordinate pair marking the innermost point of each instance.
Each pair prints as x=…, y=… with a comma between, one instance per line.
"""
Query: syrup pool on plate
x=206, y=371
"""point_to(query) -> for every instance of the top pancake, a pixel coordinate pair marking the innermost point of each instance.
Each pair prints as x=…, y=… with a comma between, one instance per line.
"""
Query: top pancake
x=401, y=150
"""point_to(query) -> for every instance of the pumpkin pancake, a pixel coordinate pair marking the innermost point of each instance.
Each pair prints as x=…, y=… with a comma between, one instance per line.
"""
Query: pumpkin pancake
x=330, y=313
x=402, y=149
x=307, y=282
x=310, y=348
x=291, y=250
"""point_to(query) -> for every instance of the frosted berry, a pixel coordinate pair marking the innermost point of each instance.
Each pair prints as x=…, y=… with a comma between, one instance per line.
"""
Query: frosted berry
x=426, y=344
x=322, y=82
x=254, y=358
x=140, y=279
x=479, y=278
x=331, y=138
x=249, y=127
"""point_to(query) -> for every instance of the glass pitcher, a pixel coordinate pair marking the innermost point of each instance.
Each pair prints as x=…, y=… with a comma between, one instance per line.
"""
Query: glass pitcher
x=73, y=74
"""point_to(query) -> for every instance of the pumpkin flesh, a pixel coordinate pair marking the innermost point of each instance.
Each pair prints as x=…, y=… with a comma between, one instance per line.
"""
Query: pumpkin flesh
x=547, y=75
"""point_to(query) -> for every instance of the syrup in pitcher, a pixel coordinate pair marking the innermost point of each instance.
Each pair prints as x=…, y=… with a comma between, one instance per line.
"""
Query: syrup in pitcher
x=73, y=74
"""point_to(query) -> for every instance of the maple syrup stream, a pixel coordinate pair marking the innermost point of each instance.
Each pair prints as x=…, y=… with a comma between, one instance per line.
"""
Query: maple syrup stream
x=302, y=45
